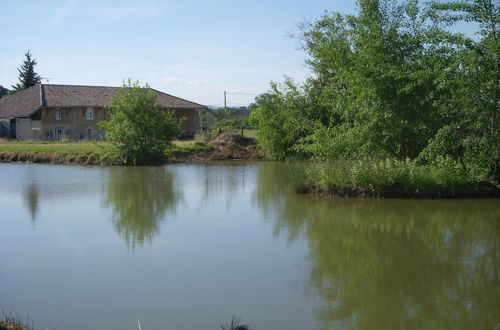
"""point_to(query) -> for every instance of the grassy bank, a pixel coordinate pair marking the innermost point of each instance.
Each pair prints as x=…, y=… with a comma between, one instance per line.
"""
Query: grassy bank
x=389, y=178
x=90, y=153
x=225, y=147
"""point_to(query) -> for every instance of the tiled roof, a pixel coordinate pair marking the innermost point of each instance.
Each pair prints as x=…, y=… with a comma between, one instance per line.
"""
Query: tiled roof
x=21, y=104
x=26, y=102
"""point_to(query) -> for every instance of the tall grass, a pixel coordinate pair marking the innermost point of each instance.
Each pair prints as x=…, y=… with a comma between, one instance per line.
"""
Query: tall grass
x=390, y=178
x=11, y=321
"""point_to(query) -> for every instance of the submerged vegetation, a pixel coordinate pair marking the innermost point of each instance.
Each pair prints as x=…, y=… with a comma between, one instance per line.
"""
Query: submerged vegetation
x=397, y=101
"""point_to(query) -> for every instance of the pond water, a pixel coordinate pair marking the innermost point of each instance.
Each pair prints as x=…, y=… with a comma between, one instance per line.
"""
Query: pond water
x=188, y=246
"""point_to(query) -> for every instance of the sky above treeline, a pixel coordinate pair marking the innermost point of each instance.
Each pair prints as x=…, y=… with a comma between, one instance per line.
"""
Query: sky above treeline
x=191, y=49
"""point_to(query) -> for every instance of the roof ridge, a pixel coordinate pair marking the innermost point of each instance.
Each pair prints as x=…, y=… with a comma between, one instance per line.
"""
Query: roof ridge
x=70, y=85
x=100, y=86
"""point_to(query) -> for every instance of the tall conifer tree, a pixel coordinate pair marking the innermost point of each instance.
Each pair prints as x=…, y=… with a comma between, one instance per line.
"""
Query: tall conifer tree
x=27, y=75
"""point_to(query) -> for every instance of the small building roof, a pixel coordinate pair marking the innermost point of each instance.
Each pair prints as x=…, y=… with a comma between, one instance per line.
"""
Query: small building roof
x=28, y=101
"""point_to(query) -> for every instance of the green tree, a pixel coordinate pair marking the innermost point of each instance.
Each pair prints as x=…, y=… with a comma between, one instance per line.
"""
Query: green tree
x=139, y=129
x=3, y=91
x=470, y=130
x=374, y=80
x=279, y=120
x=27, y=75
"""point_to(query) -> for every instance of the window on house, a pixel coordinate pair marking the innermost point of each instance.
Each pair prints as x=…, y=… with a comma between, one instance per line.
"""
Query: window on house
x=89, y=133
x=35, y=133
x=58, y=134
x=90, y=114
x=58, y=114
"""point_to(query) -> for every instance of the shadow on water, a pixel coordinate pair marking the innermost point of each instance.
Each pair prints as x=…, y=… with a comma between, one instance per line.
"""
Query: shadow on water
x=391, y=263
x=140, y=199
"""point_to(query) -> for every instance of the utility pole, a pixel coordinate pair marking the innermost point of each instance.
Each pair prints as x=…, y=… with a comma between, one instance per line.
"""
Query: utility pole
x=225, y=105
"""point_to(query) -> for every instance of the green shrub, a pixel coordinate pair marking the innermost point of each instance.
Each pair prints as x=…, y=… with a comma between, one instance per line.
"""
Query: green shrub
x=139, y=130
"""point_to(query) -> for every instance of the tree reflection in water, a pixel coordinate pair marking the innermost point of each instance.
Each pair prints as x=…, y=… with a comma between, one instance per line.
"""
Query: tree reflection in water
x=392, y=263
x=31, y=194
x=140, y=199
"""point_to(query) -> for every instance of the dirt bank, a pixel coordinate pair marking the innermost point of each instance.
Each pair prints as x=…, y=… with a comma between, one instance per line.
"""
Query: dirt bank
x=227, y=146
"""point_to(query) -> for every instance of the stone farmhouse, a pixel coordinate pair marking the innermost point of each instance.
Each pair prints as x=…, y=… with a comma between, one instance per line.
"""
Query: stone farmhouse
x=71, y=112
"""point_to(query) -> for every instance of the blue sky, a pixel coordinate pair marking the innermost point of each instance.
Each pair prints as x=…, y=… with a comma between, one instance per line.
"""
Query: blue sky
x=191, y=49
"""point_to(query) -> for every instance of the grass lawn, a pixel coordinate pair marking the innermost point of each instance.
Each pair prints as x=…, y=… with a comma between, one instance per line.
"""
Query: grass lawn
x=67, y=147
x=42, y=146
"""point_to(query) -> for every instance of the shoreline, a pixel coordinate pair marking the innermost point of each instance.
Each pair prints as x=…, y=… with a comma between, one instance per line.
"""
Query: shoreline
x=227, y=146
x=403, y=192
x=437, y=191
x=62, y=158
x=364, y=179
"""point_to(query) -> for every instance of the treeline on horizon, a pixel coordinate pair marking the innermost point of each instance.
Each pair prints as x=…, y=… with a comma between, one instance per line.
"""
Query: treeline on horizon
x=393, y=84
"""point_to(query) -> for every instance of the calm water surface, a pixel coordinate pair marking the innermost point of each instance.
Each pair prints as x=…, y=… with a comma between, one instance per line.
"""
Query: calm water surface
x=188, y=246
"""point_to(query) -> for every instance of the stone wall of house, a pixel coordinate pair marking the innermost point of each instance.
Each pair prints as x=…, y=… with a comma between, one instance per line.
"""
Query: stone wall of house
x=73, y=124
x=27, y=129
x=190, y=124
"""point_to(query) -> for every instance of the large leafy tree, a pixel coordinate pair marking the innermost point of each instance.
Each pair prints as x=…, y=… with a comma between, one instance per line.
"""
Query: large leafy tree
x=139, y=129
x=27, y=75
x=376, y=76
x=470, y=130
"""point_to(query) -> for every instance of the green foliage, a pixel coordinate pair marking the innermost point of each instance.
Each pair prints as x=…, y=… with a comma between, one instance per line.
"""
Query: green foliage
x=139, y=130
x=393, y=81
x=227, y=123
x=277, y=117
x=27, y=75
x=229, y=112
x=187, y=149
x=392, y=178
x=3, y=91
